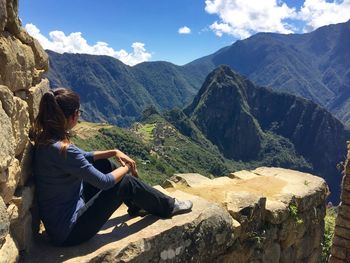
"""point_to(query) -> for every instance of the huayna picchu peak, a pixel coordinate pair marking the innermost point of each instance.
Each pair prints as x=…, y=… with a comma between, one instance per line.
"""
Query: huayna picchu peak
x=249, y=123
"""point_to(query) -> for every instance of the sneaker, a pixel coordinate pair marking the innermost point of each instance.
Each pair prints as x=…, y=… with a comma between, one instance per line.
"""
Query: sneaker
x=181, y=207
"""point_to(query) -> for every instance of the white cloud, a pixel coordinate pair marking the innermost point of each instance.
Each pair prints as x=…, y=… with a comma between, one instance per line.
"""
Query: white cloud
x=242, y=18
x=75, y=43
x=317, y=13
x=184, y=30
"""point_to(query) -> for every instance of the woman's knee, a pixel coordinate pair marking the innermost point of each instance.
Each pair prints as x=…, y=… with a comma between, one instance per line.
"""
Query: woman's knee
x=127, y=185
x=128, y=179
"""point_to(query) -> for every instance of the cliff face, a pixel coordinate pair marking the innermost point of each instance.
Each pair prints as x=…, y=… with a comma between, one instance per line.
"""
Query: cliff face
x=22, y=63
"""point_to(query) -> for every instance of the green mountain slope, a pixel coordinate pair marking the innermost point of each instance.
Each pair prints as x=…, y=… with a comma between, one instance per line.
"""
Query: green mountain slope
x=116, y=93
x=159, y=149
x=251, y=123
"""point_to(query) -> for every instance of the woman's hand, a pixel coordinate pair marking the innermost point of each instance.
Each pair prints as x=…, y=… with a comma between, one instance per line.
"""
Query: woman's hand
x=123, y=159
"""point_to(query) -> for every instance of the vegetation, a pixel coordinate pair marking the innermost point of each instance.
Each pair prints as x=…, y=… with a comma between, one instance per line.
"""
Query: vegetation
x=158, y=149
x=329, y=221
x=293, y=211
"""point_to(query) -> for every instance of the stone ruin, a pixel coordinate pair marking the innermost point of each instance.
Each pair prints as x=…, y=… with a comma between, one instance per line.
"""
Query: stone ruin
x=340, y=252
x=265, y=215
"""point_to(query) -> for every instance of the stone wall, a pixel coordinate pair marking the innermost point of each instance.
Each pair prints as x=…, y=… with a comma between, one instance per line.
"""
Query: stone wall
x=22, y=64
x=278, y=214
x=340, y=251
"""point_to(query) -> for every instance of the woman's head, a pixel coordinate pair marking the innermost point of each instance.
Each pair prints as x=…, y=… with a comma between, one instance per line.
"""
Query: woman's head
x=58, y=112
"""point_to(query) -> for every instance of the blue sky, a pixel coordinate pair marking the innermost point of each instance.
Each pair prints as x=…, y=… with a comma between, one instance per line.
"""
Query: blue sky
x=136, y=31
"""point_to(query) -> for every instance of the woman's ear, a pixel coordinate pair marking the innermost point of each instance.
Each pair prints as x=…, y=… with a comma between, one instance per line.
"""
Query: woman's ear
x=71, y=120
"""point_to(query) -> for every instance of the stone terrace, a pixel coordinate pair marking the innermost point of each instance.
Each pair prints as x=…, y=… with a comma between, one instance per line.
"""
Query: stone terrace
x=265, y=215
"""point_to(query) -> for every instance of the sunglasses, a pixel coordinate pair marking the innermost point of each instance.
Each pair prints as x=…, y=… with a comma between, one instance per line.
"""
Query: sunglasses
x=79, y=111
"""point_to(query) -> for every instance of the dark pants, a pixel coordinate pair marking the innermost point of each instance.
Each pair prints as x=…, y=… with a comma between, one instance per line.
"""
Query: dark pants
x=130, y=190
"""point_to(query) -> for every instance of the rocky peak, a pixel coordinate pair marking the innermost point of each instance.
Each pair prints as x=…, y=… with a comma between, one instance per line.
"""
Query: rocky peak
x=221, y=111
x=243, y=120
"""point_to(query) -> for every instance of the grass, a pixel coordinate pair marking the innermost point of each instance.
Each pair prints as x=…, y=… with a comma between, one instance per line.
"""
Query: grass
x=329, y=225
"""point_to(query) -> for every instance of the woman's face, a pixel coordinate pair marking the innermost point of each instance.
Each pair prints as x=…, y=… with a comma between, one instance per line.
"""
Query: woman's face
x=73, y=120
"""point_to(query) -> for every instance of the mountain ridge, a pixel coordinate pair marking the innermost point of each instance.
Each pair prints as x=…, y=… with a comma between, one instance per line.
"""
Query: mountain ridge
x=314, y=65
x=117, y=93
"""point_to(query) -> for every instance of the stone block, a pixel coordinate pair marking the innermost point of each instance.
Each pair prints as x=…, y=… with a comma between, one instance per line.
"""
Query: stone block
x=182, y=238
x=3, y=15
x=237, y=229
x=12, y=211
x=34, y=97
x=6, y=97
x=243, y=175
x=288, y=233
x=24, y=199
x=315, y=256
x=26, y=163
x=168, y=184
x=338, y=252
x=344, y=210
x=340, y=242
x=304, y=247
x=343, y=222
x=287, y=255
x=20, y=125
x=342, y=231
x=346, y=183
x=22, y=232
x=4, y=222
x=190, y=179
x=333, y=259
x=19, y=60
x=272, y=254
x=345, y=196
x=305, y=195
x=7, y=142
x=9, y=252
x=276, y=211
x=13, y=23
x=8, y=189
x=317, y=234
x=248, y=209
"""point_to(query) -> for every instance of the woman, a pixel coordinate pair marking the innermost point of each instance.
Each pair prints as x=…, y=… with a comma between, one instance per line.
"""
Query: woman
x=78, y=191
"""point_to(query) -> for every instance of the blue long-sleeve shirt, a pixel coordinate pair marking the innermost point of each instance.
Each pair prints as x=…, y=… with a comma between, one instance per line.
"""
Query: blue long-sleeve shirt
x=59, y=177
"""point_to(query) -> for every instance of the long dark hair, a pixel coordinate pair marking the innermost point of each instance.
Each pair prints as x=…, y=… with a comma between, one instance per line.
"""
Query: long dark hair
x=50, y=125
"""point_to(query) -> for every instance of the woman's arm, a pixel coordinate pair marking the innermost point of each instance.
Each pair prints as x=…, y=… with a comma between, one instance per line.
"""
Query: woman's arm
x=104, y=154
x=121, y=157
x=119, y=173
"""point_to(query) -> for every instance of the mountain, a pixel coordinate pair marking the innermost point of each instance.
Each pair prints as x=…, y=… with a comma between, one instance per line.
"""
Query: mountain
x=116, y=93
x=315, y=65
x=252, y=123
